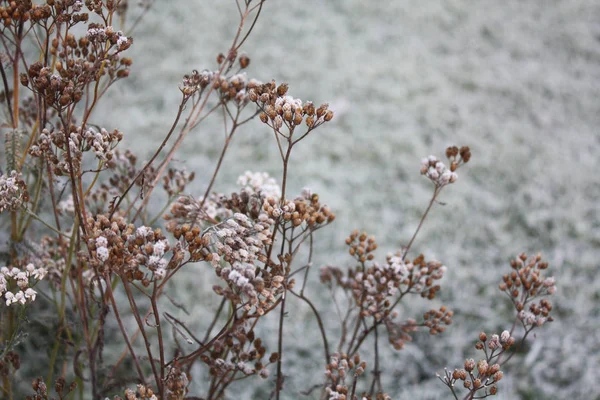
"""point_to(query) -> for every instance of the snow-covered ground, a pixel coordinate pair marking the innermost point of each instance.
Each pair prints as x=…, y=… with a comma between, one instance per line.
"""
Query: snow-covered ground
x=517, y=81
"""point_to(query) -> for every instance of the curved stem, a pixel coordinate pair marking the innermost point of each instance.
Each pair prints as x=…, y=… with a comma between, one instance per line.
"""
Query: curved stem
x=319, y=322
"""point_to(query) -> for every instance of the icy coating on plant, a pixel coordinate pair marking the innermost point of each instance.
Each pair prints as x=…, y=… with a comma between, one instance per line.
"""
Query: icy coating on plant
x=90, y=213
x=22, y=281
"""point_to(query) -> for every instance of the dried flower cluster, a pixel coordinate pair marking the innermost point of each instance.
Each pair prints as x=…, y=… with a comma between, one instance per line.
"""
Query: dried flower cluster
x=81, y=62
x=438, y=173
x=524, y=285
x=52, y=146
x=16, y=285
x=10, y=363
x=234, y=87
x=119, y=247
x=256, y=187
x=375, y=285
x=13, y=191
x=279, y=109
x=481, y=378
x=239, y=242
x=50, y=253
x=176, y=385
x=175, y=181
x=259, y=183
x=238, y=355
x=60, y=388
x=142, y=392
x=234, y=247
x=305, y=209
x=338, y=371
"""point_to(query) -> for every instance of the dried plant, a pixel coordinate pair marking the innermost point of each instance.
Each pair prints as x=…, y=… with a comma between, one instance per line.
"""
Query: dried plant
x=86, y=242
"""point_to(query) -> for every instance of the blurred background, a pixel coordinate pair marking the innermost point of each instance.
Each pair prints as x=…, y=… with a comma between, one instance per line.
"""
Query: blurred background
x=517, y=81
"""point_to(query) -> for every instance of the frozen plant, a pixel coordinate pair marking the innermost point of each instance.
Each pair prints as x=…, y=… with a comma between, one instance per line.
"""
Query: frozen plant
x=97, y=265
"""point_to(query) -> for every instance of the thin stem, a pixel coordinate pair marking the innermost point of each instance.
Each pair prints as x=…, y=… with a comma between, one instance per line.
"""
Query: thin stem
x=215, y=319
x=6, y=91
x=123, y=331
x=319, y=322
x=279, y=381
x=431, y=202
x=251, y=26
x=162, y=145
x=161, y=347
x=376, y=371
x=136, y=314
x=35, y=216
x=221, y=158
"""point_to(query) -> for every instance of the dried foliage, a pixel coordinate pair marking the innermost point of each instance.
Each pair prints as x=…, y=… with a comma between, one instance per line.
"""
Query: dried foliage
x=84, y=242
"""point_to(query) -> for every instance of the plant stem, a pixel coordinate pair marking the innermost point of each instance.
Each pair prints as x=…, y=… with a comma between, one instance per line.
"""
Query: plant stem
x=431, y=202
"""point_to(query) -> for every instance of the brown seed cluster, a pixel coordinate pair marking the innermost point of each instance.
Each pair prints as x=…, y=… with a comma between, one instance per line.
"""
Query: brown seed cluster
x=195, y=82
x=435, y=320
x=233, y=88
x=496, y=342
x=187, y=210
x=176, y=180
x=457, y=156
x=238, y=227
x=279, y=109
x=374, y=286
x=399, y=333
x=191, y=239
x=10, y=363
x=398, y=275
x=528, y=282
x=230, y=88
x=216, y=208
x=235, y=247
x=81, y=62
x=239, y=352
x=52, y=145
x=341, y=369
x=176, y=384
x=60, y=387
x=305, y=209
x=142, y=392
x=15, y=12
x=244, y=202
x=481, y=377
x=377, y=288
x=361, y=246
x=13, y=191
x=119, y=247
x=422, y=275
x=237, y=239
x=437, y=171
